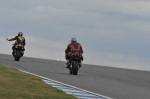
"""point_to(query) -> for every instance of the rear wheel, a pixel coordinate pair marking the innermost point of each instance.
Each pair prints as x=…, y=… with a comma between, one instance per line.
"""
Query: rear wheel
x=75, y=67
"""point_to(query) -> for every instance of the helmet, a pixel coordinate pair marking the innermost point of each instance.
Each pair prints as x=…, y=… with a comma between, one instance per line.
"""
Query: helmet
x=73, y=39
x=20, y=34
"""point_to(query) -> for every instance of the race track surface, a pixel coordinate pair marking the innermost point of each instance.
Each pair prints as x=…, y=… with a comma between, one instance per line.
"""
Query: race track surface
x=112, y=82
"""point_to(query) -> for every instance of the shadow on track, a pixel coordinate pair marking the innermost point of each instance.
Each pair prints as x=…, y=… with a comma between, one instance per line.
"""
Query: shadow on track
x=73, y=75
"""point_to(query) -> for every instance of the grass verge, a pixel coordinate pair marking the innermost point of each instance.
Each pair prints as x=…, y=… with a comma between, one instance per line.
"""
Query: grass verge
x=18, y=85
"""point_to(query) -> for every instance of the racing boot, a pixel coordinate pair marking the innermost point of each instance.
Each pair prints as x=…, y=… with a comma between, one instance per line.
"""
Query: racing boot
x=80, y=63
x=68, y=64
x=22, y=53
x=13, y=52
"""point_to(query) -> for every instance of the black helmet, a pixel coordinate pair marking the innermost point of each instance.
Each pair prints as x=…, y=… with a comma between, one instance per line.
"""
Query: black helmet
x=20, y=34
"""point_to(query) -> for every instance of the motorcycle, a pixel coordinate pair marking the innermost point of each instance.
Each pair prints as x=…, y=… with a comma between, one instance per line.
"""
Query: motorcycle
x=18, y=52
x=74, y=64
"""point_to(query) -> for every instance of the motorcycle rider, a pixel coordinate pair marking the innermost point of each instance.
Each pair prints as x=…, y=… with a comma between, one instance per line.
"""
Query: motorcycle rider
x=72, y=47
x=19, y=39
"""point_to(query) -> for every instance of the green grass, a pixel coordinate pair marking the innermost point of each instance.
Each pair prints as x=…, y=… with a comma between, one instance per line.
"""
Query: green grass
x=18, y=85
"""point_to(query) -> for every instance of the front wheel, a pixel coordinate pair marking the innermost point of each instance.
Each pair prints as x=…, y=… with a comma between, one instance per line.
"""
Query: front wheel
x=75, y=67
x=18, y=55
x=17, y=59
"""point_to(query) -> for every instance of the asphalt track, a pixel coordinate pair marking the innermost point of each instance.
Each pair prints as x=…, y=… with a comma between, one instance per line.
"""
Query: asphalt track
x=112, y=82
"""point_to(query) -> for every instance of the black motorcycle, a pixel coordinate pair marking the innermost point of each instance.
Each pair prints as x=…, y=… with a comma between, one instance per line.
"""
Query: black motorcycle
x=18, y=52
x=74, y=65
